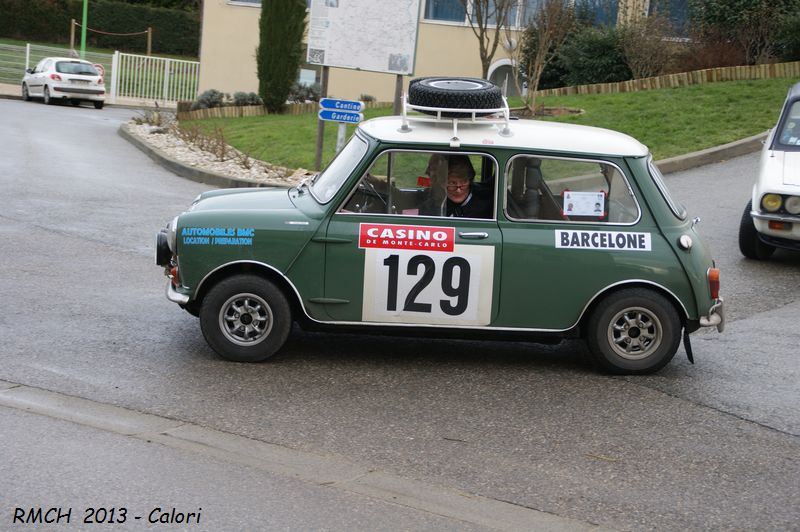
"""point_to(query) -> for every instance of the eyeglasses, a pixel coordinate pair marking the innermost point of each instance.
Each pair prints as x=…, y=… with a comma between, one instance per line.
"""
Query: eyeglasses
x=458, y=187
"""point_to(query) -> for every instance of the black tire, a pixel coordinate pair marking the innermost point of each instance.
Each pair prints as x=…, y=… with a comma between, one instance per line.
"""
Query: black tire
x=750, y=244
x=25, y=94
x=47, y=99
x=245, y=318
x=633, y=332
x=454, y=93
x=75, y=103
x=98, y=105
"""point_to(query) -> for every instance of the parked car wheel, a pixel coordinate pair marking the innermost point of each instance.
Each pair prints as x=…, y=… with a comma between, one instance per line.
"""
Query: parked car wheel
x=98, y=105
x=245, y=318
x=25, y=94
x=75, y=103
x=459, y=93
x=634, y=331
x=47, y=99
x=750, y=244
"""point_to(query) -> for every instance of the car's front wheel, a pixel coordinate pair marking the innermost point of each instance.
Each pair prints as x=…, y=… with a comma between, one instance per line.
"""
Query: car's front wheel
x=25, y=94
x=750, y=244
x=47, y=99
x=634, y=331
x=98, y=105
x=245, y=318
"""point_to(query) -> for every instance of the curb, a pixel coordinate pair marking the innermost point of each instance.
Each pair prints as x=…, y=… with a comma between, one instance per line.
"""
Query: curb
x=182, y=170
x=111, y=105
x=712, y=155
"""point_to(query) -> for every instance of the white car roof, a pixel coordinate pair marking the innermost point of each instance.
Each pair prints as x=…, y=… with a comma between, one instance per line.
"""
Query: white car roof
x=72, y=59
x=526, y=134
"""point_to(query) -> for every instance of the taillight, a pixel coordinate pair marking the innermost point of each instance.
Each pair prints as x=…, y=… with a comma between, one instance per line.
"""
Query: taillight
x=55, y=77
x=99, y=81
x=713, y=282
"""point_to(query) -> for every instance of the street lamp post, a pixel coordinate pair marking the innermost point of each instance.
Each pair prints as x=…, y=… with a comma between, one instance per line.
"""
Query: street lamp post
x=83, y=28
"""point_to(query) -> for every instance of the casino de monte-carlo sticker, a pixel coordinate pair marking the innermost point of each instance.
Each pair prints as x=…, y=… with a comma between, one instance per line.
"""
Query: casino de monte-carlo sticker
x=419, y=275
x=605, y=240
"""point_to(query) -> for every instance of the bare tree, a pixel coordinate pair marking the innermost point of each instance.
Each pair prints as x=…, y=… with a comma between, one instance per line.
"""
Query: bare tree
x=644, y=45
x=548, y=30
x=482, y=14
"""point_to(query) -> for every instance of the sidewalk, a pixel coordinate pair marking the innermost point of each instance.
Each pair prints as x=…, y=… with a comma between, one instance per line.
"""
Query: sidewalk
x=9, y=91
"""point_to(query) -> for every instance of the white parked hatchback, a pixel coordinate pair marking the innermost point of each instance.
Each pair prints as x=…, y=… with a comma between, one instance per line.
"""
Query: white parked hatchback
x=66, y=79
x=771, y=218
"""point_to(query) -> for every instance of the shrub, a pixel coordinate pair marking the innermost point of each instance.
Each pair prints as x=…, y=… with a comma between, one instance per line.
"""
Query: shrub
x=246, y=98
x=210, y=98
x=300, y=93
x=366, y=98
x=593, y=55
x=788, y=45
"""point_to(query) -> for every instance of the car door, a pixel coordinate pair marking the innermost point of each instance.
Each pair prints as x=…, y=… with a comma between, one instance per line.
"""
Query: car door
x=388, y=261
x=36, y=80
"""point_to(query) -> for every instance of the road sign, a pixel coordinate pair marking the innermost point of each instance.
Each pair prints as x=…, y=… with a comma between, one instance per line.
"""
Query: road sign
x=340, y=116
x=341, y=105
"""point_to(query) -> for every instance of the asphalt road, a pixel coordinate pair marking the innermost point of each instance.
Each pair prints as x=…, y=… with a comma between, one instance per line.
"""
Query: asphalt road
x=707, y=446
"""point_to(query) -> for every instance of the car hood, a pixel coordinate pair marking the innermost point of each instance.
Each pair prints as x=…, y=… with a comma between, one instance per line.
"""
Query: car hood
x=244, y=199
x=780, y=171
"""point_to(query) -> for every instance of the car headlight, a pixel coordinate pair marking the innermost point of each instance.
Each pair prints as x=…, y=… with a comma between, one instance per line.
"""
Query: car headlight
x=792, y=205
x=771, y=202
x=172, y=235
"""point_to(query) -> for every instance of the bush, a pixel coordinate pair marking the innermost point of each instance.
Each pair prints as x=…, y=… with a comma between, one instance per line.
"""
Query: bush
x=299, y=93
x=209, y=99
x=246, y=98
x=788, y=45
x=280, y=49
x=593, y=55
x=366, y=98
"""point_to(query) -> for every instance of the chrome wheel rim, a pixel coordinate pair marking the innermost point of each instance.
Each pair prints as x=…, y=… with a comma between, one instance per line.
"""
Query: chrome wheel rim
x=635, y=333
x=245, y=319
x=46, y=95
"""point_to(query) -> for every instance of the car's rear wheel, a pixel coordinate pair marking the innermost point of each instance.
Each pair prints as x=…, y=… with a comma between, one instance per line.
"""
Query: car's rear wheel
x=47, y=99
x=245, y=318
x=634, y=331
x=98, y=105
x=25, y=94
x=750, y=244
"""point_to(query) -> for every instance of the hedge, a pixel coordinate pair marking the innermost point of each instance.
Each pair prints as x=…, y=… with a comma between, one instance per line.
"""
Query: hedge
x=175, y=31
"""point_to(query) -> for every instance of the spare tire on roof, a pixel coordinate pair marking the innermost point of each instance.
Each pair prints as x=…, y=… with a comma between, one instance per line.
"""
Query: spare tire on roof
x=454, y=93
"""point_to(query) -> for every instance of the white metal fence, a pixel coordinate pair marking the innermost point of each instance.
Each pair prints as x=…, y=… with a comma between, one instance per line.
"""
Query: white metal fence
x=128, y=76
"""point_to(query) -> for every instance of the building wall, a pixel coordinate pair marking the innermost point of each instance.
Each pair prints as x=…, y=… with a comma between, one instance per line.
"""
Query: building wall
x=230, y=37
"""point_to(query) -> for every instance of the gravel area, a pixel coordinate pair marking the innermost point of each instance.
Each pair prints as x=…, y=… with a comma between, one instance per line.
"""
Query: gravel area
x=259, y=172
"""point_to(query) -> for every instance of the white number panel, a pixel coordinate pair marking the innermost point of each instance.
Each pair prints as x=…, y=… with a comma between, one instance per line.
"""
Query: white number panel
x=415, y=286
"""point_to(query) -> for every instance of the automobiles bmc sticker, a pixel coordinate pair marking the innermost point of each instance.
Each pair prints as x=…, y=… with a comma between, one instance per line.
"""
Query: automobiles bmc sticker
x=605, y=240
x=419, y=275
x=218, y=236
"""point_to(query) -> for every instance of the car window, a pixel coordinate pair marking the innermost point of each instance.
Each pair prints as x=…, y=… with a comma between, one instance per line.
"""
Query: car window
x=338, y=170
x=789, y=134
x=40, y=66
x=76, y=67
x=570, y=190
x=676, y=207
x=426, y=183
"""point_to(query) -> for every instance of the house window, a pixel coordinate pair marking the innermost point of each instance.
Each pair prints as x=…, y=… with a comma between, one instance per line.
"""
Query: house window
x=445, y=10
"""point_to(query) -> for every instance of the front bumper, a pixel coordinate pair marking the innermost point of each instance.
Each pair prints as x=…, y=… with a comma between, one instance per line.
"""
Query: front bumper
x=175, y=296
x=716, y=316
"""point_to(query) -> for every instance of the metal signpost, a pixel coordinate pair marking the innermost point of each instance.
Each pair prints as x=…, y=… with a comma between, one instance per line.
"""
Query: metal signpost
x=341, y=111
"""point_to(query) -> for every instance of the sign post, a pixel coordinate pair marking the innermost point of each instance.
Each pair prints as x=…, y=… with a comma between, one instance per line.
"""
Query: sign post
x=341, y=111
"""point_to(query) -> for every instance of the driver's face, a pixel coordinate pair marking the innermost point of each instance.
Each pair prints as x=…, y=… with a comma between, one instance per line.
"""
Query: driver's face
x=457, y=188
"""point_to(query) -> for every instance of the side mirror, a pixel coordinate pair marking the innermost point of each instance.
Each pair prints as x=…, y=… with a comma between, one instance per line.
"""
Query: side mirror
x=29, y=70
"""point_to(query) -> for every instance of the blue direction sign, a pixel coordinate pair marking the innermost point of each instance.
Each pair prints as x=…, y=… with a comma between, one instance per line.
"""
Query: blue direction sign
x=341, y=105
x=340, y=116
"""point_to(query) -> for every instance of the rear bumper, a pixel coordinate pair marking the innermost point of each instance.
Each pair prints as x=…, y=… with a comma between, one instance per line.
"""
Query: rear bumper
x=715, y=317
x=80, y=93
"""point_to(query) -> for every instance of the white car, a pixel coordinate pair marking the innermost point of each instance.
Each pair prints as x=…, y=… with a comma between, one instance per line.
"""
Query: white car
x=772, y=217
x=64, y=78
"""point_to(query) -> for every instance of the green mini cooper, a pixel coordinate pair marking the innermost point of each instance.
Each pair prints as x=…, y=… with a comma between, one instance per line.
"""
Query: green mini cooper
x=453, y=219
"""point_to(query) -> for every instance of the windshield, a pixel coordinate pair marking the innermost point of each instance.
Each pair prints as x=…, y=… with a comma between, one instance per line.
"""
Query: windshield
x=331, y=179
x=75, y=67
x=674, y=206
x=790, y=132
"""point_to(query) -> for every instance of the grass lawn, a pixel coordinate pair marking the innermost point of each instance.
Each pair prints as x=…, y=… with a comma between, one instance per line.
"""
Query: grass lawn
x=17, y=42
x=669, y=121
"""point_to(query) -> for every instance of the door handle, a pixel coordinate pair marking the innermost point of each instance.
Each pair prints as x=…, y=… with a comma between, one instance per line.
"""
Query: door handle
x=475, y=235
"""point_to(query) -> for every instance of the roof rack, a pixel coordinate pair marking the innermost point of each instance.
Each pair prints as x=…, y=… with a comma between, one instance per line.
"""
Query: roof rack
x=492, y=118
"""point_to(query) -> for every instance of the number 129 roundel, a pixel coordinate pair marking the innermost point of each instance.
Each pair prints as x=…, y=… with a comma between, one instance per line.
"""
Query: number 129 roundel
x=488, y=229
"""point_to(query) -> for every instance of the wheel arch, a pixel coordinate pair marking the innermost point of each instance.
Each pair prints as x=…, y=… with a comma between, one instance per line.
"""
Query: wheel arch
x=252, y=268
x=670, y=296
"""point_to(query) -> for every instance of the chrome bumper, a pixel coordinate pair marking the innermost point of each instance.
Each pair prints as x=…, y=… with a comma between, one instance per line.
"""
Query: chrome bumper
x=175, y=296
x=716, y=316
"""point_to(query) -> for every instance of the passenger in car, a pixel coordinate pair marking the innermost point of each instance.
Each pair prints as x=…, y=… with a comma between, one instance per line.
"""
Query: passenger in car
x=464, y=198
